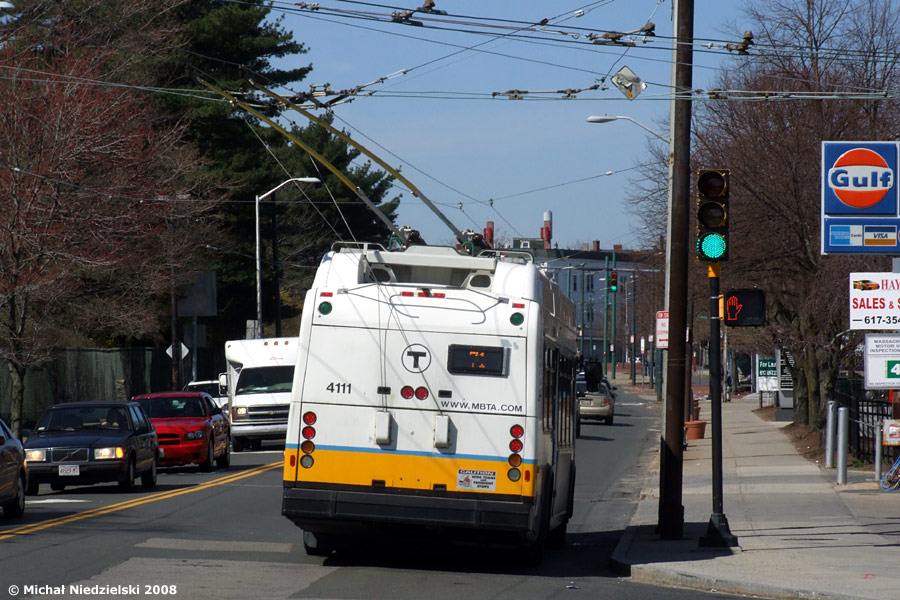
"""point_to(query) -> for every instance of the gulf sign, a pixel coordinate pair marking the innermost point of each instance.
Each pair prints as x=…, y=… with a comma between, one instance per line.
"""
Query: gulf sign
x=859, y=179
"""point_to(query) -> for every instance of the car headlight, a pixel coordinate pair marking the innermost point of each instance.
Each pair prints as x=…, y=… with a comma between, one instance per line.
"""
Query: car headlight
x=194, y=435
x=35, y=455
x=109, y=453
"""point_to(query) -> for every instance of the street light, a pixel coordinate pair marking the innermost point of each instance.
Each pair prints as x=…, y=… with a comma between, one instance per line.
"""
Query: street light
x=258, y=265
x=608, y=119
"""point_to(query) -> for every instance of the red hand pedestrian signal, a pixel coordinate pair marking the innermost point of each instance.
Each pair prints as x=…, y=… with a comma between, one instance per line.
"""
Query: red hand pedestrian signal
x=732, y=308
x=745, y=308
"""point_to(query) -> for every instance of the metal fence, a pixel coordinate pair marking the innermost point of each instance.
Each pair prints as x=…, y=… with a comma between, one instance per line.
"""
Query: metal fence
x=866, y=411
x=100, y=374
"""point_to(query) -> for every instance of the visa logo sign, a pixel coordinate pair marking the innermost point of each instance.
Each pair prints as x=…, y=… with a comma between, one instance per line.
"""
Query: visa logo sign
x=879, y=235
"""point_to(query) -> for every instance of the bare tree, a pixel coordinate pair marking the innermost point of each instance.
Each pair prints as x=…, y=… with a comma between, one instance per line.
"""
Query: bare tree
x=773, y=150
x=93, y=192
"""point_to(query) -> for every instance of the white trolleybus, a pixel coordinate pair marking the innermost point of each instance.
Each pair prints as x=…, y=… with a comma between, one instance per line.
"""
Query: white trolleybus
x=433, y=393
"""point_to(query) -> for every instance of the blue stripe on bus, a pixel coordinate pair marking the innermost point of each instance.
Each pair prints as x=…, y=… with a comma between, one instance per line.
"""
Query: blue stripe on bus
x=411, y=453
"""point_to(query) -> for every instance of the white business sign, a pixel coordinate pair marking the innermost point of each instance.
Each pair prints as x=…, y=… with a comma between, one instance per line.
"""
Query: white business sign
x=882, y=361
x=874, y=300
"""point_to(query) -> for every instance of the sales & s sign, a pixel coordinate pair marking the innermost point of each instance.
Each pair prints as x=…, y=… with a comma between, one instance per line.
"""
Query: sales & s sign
x=875, y=301
x=860, y=200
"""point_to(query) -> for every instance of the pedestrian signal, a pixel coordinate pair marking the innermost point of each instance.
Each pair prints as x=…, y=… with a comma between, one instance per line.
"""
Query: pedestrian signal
x=745, y=308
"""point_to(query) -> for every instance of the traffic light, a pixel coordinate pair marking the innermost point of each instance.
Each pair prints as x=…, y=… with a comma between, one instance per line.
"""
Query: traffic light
x=613, y=281
x=744, y=308
x=712, y=214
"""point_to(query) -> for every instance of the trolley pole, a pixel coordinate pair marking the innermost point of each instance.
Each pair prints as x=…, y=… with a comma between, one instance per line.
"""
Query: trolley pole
x=718, y=533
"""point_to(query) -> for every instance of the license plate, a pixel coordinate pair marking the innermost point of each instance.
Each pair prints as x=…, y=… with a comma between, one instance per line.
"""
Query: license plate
x=585, y=402
x=69, y=470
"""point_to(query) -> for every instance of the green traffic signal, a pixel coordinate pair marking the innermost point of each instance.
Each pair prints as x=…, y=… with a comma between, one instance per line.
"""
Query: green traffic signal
x=711, y=246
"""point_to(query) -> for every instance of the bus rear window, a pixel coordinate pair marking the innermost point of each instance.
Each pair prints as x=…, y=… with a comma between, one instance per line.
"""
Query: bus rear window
x=482, y=360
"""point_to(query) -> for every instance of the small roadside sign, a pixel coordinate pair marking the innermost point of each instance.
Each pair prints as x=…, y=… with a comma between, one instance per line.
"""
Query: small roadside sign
x=882, y=361
x=662, y=329
x=184, y=350
x=767, y=375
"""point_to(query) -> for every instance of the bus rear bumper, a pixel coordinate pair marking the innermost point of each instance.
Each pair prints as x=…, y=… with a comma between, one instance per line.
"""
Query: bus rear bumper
x=322, y=509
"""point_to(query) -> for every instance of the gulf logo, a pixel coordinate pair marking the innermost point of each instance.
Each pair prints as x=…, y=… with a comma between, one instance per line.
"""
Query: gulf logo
x=860, y=178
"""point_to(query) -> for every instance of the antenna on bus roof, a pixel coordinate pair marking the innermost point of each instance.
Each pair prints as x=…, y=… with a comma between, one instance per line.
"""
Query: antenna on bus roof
x=468, y=240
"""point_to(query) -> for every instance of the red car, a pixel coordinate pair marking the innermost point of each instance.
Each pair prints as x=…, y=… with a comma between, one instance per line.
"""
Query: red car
x=190, y=427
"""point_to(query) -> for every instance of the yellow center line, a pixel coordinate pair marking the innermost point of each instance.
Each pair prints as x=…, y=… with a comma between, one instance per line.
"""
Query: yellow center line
x=104, y=510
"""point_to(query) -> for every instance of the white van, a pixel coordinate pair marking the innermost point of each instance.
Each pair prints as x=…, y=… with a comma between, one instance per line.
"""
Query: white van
x=259, y=379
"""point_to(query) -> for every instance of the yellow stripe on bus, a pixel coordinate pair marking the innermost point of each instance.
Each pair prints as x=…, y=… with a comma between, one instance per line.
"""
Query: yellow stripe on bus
x=406, y=471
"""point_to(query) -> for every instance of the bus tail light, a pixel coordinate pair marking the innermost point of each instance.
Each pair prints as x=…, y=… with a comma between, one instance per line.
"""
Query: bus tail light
x=308, y=432
x=307, y=447
x=515, y=459
x=421, y=393
x=407, y=392
x=306, y=461
x=309, y=418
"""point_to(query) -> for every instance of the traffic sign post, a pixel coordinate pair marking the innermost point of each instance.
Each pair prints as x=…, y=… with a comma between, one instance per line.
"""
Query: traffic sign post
x=718, y=534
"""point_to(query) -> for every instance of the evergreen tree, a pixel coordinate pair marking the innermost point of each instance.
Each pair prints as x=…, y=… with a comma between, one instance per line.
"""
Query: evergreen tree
x=226, y=44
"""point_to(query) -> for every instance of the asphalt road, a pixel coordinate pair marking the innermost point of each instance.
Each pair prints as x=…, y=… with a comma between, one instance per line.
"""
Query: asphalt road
x=221, y=535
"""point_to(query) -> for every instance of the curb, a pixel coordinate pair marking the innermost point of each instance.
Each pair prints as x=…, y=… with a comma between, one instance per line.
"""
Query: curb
x=643, y=573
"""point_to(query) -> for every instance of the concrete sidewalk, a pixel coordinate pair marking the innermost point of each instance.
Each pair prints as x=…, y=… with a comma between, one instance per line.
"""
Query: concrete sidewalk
x=800, y=534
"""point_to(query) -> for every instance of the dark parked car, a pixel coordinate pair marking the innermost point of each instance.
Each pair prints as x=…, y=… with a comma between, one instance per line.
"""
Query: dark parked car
x=13, y=473
x=82, y=443
x=191, y=428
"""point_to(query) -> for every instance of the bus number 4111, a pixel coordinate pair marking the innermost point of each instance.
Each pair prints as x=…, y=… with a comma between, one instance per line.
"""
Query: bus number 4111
x=338, y=388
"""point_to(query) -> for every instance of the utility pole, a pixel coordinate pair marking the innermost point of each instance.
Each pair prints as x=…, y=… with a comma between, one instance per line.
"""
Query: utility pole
x=605, y=351
x=615, y=346
x=633, y=326
x=671, y=510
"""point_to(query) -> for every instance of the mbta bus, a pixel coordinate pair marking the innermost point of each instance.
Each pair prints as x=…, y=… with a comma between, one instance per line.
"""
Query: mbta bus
x=434, y=392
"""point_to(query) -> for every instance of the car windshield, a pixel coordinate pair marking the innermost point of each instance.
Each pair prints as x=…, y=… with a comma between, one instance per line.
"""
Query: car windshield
x=75, y=418
x=210, y=388
x=173, y=407
x=263, y=380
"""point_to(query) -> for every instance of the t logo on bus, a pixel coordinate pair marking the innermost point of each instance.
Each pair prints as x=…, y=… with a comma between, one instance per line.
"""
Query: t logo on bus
x=416, y=358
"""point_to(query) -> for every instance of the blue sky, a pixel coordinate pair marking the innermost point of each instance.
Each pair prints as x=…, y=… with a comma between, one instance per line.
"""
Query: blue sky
x=458, y=144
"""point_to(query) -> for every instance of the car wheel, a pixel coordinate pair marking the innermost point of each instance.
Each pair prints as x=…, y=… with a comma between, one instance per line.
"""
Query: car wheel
x=238, y=444
x=15, y=507
x=57, y=487
x=207, y=465
x=224, y=461
x=608, y=420
x=126, y=483
x=148, y=479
